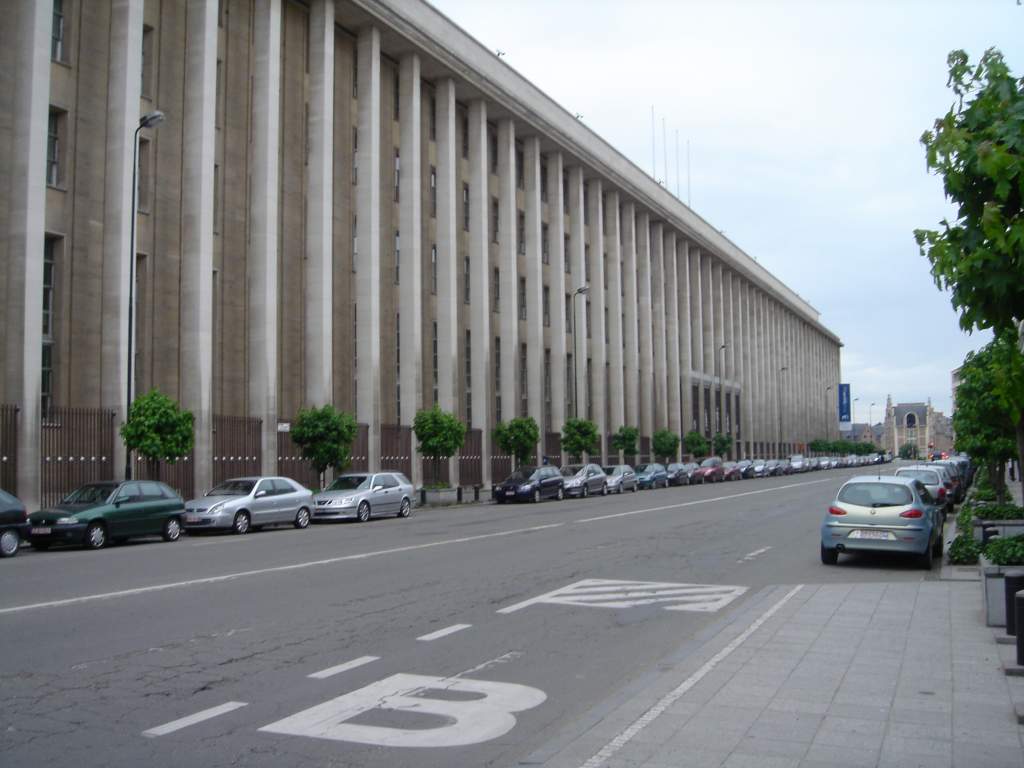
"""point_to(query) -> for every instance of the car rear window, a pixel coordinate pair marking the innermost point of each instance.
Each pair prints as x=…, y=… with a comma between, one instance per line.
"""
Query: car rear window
x=876, y=494
x=927, y=476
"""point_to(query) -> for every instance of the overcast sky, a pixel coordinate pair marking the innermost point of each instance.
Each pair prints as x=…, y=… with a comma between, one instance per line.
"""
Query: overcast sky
x=804, y=119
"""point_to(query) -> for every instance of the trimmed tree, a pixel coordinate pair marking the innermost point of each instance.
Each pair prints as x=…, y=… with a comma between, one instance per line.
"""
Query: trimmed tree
x=157, y=429
x=440, y=435
x=721, y=443
x=625, y=440
x=665, y=443
x=325, y=436
x=908, y=451
x=579, y=436
x=696, y=444
x=519, y=437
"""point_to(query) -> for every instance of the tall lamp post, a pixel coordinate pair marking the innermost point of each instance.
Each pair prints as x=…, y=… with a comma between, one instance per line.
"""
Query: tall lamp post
x=871, y=423
x=853, y=410
x=827, y=390
x=149, y=120
x=778, y=392
x=581, y=291
x=721, y=388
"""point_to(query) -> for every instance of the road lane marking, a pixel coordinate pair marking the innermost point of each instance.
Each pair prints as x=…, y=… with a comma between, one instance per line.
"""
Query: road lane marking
x=648, y=717
x=608, y=593
x=338, y=669
x=698, y=501
x=751, y=555
x=443, y=632
x=198, y=717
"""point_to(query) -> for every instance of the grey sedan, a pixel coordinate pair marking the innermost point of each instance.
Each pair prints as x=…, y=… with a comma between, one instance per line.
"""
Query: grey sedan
x=359, y=495
x=621, y=477
x=245, y=503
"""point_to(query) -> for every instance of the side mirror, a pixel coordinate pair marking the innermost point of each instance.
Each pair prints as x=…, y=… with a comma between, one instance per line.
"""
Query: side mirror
x=260, y=494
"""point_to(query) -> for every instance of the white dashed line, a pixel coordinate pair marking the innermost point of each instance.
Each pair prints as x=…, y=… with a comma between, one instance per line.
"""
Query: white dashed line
x=751, y=555
x=338, y=669
x=198, y=717
x=444, y=632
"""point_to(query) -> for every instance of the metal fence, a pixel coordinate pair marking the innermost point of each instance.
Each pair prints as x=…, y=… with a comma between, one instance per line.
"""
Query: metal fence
x=9, y=448
x=77, y=446
x=291, y=463
x=471, y=459
x=359, y=456
x=179, y=474
x=435, y=472
x=396, y=448
x=645, y=450
x=501, y=467
x=553, y=447
x=237, y=448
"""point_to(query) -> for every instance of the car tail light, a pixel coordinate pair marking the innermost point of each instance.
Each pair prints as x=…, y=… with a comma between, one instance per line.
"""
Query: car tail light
x=836, y=511
x=912, y=513
x=948, y=484
x=942, y=493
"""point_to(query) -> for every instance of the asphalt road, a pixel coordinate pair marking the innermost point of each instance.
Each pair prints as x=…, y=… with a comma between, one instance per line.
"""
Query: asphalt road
x=390, y=643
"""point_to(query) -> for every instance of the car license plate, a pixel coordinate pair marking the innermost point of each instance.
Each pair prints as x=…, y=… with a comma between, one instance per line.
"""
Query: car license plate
x=879, y=535
x=41, y=531
x=191, y=518
x=510, y=493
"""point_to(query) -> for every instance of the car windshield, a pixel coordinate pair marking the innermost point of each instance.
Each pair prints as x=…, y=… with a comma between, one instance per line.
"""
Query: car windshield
x=708, y=463
x=232, y=488
x=95, y=493
x=729, y=464
x=674, y=467
x=350, y=483
x=876, y=494
x=519, y=476
x=690, y=466
x=612, y=470
x=570, y=470
x=926, y=476
x=642, y=467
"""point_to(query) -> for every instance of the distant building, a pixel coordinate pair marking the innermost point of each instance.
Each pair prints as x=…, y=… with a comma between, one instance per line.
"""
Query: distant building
x=862, y=433
x=916, y=423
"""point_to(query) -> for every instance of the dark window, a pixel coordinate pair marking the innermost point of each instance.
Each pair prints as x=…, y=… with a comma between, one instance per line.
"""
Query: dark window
x=521, y=233
x=433, y=191
x=147, y=62
x=465, y=280
x=495, y=289
x=398, y=173
x=355, y=156
x=543, y=181
x=545, y=247
x=465, y=137
x=397, y=94
x=547, y=389
x=497, y=378
x=433, y=268
x=519, y=168
x=398, y=258
x=465, y=207
x=432, y=120
x=523, y=401
x=433, y=348
x=568, y=260
x=57, y=33
x=494, y=219
x=54, y=133
x=468, y=355
x=547, y=306
x=492, y=144
x=522, y=298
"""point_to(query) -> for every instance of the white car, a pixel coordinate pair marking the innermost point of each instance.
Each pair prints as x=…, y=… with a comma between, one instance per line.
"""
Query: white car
x=245, y=503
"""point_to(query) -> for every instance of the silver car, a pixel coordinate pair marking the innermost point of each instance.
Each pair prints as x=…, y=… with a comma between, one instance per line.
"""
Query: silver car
x=621, y=477
x=360, y=495
x=246, y=503
x=935, y=480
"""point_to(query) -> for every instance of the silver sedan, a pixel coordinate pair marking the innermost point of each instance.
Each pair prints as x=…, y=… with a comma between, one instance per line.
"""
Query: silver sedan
x=358, y=495
x=245, y=503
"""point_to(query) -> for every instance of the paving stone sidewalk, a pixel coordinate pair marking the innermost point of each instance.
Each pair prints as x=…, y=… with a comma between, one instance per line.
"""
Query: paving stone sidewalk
x=902, y=674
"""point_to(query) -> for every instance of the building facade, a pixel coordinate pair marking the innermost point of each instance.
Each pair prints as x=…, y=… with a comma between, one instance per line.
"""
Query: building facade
x=918, y=424
x=354, y=202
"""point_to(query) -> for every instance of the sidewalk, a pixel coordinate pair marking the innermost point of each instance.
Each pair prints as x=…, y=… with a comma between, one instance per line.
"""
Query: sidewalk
x=839, y=675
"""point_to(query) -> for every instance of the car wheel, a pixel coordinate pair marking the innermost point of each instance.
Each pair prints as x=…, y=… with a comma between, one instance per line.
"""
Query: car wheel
x=635, y=489
x=172, y=529
x=561, y=493
x=620, y=491
x=586, y=490
x=926, y=559
x=405, y=508
x=536, y=496
x=604, y=489
x=829, y=556
x=9, y=543
x=95, y=536
x=938, y=548
x=302, y=518
x=363, y=514
x=240, y=524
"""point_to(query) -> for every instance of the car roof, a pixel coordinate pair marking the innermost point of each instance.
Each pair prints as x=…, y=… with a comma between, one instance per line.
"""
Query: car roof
x=929, y=467
x=895, y=480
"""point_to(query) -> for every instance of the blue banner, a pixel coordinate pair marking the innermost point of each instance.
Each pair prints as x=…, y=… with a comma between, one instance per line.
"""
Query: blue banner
x=844, y=406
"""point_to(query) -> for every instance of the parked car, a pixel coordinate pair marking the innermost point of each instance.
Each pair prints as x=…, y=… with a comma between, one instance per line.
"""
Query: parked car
x=246, y=503
x=95, y=514
x=710, y=471
x=760, y=468
x=13, y=524
x=785, y=468
x=584, y=479
x=690, y=467
x=935, y=480
x=798, y=463
x=677, y=474
x=651, y=475
x=882, y=513
x=530, y=484
x=731, y=471
x=621, y=477
x=746, y=468
x=362, y=495
x=959, y=485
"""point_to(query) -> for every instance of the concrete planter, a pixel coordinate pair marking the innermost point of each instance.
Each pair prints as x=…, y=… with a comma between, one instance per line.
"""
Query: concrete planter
x=1006, y=528
x=441, y=497
x=993, y=590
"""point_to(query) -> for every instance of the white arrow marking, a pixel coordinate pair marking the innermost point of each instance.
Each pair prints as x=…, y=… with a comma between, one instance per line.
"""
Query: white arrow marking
x=628, y=594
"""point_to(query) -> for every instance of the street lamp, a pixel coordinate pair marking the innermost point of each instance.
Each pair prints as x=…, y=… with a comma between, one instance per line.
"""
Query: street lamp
x=778, y=392
x=721, y=389
x=827, y=390
x=871, y=425
x=581, y=291
x=149, y=120
x=853, y=410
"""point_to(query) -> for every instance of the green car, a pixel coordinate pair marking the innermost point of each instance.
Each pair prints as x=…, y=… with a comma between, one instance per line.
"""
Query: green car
x=97, y=513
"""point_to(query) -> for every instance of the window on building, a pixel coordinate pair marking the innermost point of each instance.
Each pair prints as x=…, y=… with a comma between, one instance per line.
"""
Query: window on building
x=355, y=242
x=492, y=148
x=432, y=119
x=433, y=353
x=355, y=77
x=545, y=247
x=546, y=307
x=497, y=379
x=433, y=191
x=465, y=207
x=465, y=280
x=355, y=344
x=543, y=180
x=522, y=298
x=398, y=367
x=398, y=257
x=495, y=289
x=606, y=326
x=468, y=357
x=57, y=40
x=565, y=192
x=433, y=268
x=523, y=389
x=144, y=180
x=547, y=390
x=465, y=137
x=589, y=315
x=586, y=262
x=695, y=408
x=219, y=97
x=586, y=207
x=568, y=310
x=567, y=252
x=50, y=246
x=494, y=219
x=216, y=198
x=355, y=156
x=520, y=166
x=521, y=233
x=398, y=173
x=590, y=392
x=397, y=94
x=46, y=379
x=147, y=62
x=570, y=388
x=54, y=141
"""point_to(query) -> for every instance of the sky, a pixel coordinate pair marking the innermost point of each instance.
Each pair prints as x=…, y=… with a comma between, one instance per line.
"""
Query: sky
x=804, y=120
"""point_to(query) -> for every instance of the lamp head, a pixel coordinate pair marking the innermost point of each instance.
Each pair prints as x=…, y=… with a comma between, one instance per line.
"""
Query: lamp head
x=151, y=119
x=583, y=289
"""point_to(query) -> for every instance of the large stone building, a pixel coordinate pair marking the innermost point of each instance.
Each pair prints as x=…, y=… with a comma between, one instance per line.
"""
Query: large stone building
x=918, y=424
x=354, y=202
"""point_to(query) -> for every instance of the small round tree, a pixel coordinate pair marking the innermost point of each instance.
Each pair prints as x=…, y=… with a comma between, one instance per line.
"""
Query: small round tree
x=158, y=429
x=696, y=444
x=908, y=451
x=325, y=436
x=518, y=437
x=666, y=443
x=440, y=435
x=625, y=440
x=579, y=436
x=721, y=443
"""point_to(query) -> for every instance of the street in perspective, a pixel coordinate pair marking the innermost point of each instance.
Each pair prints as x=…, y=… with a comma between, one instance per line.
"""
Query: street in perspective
x=399, y=383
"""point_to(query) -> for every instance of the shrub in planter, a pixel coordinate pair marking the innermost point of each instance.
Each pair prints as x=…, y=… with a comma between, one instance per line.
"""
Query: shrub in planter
x=964, y=518
x=1009, y=551
x=997, y=512
x=963, y=550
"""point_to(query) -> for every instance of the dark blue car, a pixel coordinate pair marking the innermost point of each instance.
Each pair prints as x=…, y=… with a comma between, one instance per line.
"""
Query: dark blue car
x=651, y=476
x=530, y=484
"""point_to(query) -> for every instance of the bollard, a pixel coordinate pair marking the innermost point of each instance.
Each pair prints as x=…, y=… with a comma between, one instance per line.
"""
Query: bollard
x=988, y=533
x=1019, y=598
x=476, y=493
x=423, y=501
x=1014, y=582
x=458, y=494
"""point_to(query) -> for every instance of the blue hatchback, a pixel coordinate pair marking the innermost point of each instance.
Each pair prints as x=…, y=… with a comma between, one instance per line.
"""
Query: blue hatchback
x=651, y=476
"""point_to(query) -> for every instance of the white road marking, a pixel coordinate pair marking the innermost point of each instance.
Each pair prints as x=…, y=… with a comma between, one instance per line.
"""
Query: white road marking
x=198, y=717
x=503, y=659
x=443, y=632
x=751, y=555
x=608, y=593
x=698, y=501
x=648, y=717
x=489, y=715
x=338, y=669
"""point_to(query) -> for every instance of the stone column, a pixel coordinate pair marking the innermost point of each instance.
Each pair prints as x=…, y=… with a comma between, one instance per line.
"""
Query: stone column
x=616, y=378
x=747, y=378
x=480, y=310
x=31, y=25
x=411, y=232
x=197, y=232
x=658, y=323
x=631, y=365
x=685, y=298
x=508, y=310
x=672, y=333
x=718, y=335
x=707, y=304
x=728, y=368
x=534, y=289
x=598, y=349
x=123, y=87
x=646, y=324
x=319, y=300
x=558, y=289
x=579, y=303
x=697, y=330
x=368, y=203
x=448, y=201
